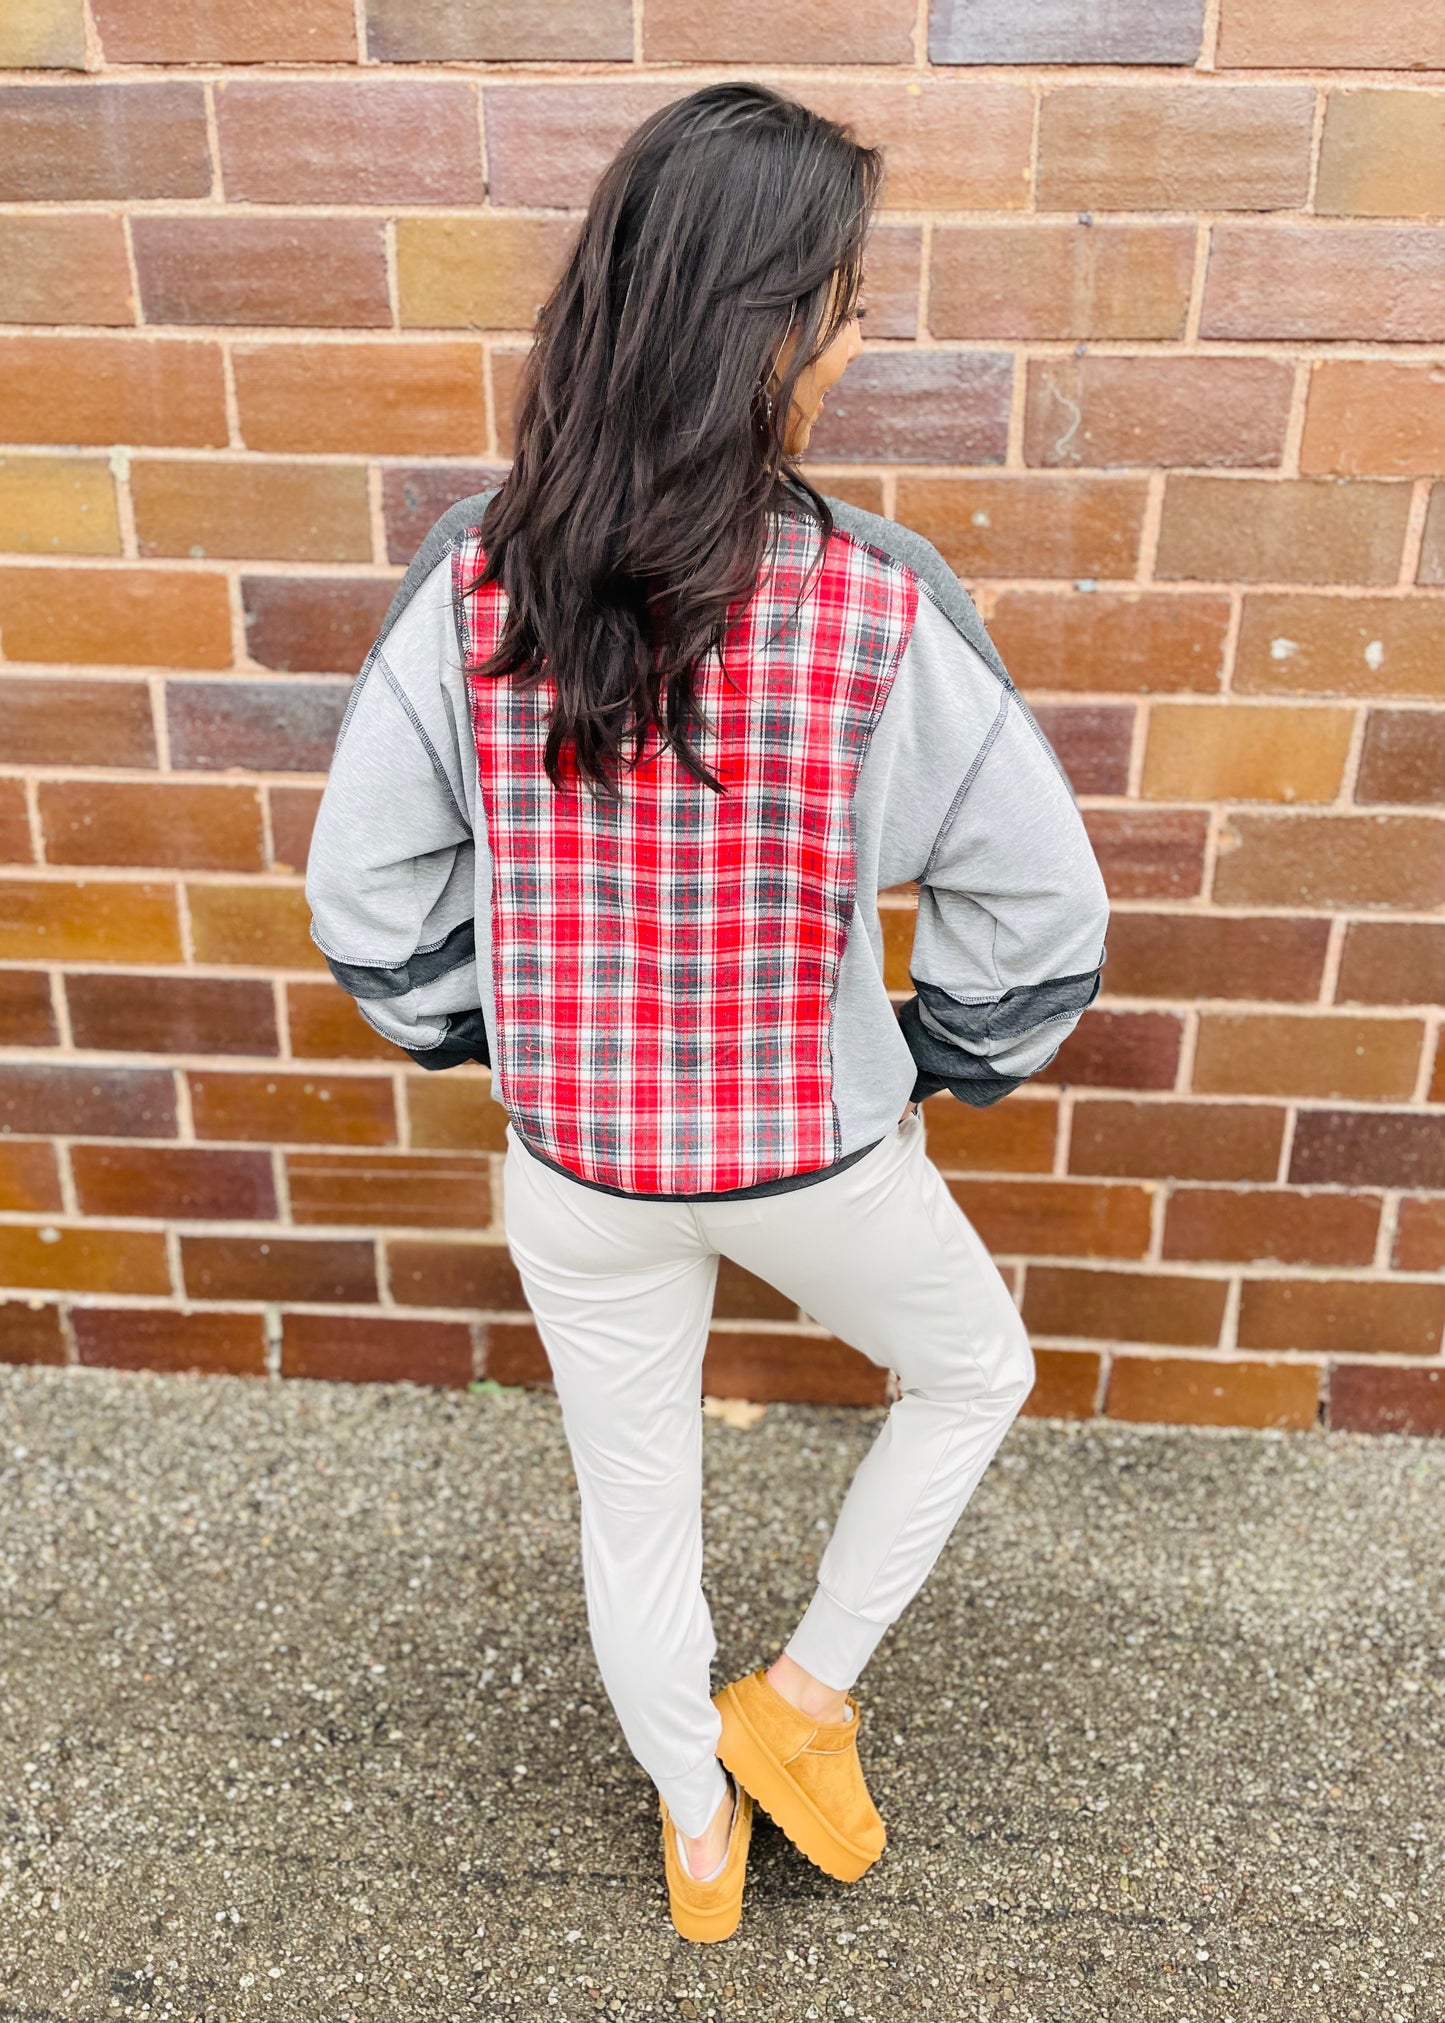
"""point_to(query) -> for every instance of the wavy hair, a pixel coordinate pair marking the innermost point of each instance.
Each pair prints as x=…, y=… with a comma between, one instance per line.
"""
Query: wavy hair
x=649, y=452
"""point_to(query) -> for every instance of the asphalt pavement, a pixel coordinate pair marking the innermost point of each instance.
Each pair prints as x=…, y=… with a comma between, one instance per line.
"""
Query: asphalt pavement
x=299, y=1721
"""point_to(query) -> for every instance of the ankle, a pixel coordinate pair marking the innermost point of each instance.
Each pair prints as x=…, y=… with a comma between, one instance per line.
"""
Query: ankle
x=810, y=1696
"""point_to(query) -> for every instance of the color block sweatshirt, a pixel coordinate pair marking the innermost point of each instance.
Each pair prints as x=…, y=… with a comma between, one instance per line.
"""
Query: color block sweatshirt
x=681, y=993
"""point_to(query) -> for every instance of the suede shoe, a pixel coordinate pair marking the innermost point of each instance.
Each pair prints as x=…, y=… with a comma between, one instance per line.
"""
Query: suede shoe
x=708, y=1910
x=805, y=1774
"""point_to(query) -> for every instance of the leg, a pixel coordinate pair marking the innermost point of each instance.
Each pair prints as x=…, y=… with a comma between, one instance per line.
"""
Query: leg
x=884, y=1257
x=622, y=1292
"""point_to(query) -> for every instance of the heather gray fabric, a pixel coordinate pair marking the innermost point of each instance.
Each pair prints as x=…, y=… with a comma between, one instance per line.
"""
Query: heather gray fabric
x=959, y=790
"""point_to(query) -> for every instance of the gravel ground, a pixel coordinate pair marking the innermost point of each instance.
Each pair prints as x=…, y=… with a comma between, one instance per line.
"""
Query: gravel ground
x=299, y=1720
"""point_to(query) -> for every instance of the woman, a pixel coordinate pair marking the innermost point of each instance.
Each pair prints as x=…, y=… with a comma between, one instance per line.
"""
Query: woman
x=645, y=732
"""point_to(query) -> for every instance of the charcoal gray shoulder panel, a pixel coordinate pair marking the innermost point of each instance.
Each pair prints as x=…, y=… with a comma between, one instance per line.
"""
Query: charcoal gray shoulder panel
x=454, y=521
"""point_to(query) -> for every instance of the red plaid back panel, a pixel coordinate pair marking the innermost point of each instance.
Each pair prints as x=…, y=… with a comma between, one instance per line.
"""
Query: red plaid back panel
x=664, y=966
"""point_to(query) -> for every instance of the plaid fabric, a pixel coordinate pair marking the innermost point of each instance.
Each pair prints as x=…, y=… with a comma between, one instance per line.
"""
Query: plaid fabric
x=664, y=967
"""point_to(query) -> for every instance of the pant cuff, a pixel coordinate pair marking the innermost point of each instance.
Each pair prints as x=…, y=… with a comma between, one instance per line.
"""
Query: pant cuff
x=832, y=1643
x=695, y=1795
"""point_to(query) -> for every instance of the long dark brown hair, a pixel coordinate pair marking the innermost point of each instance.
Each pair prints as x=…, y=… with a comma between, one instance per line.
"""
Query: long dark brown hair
x=649, y=456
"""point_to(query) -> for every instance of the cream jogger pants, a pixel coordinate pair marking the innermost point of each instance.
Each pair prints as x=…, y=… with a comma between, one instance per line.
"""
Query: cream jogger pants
x=622, y=1293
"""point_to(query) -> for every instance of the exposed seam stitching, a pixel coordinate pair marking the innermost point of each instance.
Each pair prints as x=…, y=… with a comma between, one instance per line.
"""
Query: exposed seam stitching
x=389, y=676
x=990, y=739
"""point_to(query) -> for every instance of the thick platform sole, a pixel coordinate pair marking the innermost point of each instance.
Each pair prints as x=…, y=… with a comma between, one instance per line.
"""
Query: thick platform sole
x=790, y=1808
x=706, y=1927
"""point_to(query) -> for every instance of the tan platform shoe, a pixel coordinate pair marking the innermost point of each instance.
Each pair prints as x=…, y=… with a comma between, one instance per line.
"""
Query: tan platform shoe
x=805, y=1774
x=709, y=1910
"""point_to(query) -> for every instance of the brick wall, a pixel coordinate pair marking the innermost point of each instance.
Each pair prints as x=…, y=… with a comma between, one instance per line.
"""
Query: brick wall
x=1158, y=308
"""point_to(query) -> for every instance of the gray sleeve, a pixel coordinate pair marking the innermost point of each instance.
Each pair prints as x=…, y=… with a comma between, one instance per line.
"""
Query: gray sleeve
x=1012, y=910
x=390, y=878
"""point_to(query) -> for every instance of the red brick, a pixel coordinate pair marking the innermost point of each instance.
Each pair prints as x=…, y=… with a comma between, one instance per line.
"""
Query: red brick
x=855, y=488
x=204, y=828
x=1420, y=1236
x=1292, y=1054
x=350, y=141
x=104, y=1102
x=126, y=617
x=1065, y=1386
x=1028, y=526
x=1147, y=147
x=1342, y=1317
x=740, y=1296
x=265, y=726
x=505, y=369
x=43, y=35
x=29, y=1177
x=130, y=1338
x=891, y=280
x=69, y=722
x=1100, y=411
x=1381, y=282
x=15, y=844
x=262, y=926
x=513, y=1353
x=407, y=399
x=1326, y=34
x=53, y=921
x=244, y=31
x=1125, y=1306
x=1375, y=420
x=55, y=505
x=1016, y=1137
x=1185, y=955
x=1091, y=743
x=402, y=1190
x=27, y=1016
x=188, y=1183
x=1403, y=758
x=294, y=1109
x=918, y=407
x=756, y=31
x=1392, y=962
x=1307, y=530
x=1056, y=1218
x=1188, y=1391
x=1432, y=547
x=1149, y=853
x=30, y=1333
x=455, y=1112
x=252, y=269
x=251, y=509
x=1245, y=752
x=414, y=497
x=293, y=817
x=786, y=1367
x=279, y=1268
x=1051, y=280
x=77, y=142
x=1119, y=1050
x=1385, y=1399
x=65, y=269
x=1176, y=1141
x=1331, y=860
x=1385, y=646
x=1064, y=31
x=1353, y=1148
x=168, y=391
x=480, y=1275
x=1122, y=641
x=1256, y=1225
x=494, y=31
x=172, y=1014
x=951, y=143
x=366, y=1351
x=325, y=1025
x=313, y=624
x=84, y=1260
x=1382, y=155
x=492, y=270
